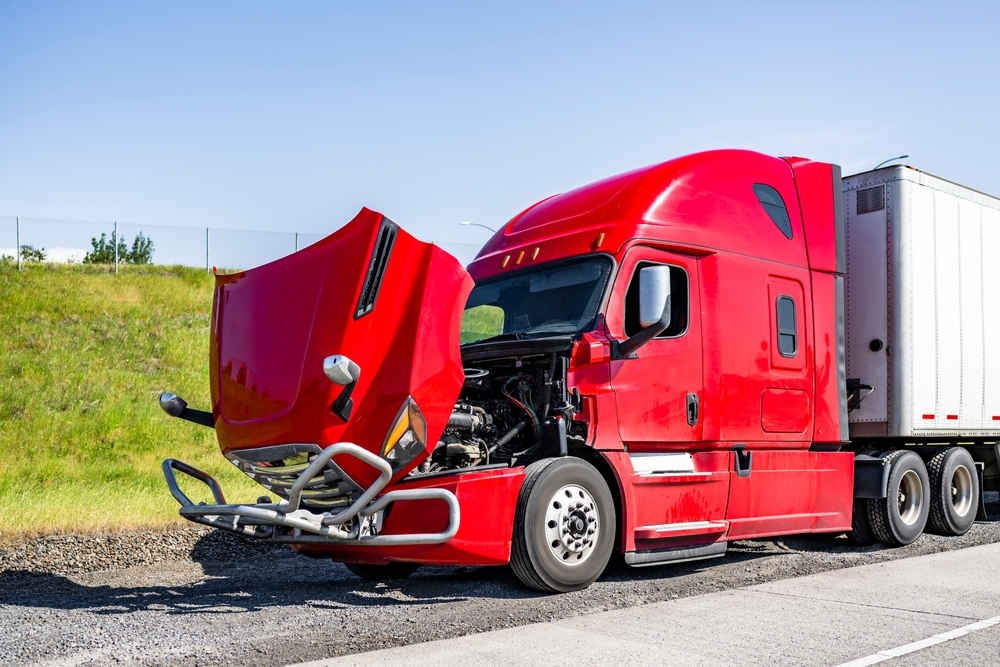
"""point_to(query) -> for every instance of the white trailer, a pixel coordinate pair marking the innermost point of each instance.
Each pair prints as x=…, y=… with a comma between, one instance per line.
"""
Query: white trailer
x=922, y=314
x=922, y=306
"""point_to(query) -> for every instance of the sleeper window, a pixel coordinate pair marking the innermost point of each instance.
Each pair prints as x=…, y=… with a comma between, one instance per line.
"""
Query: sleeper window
x=678, y=302
x=774, y=206
x=788, y=343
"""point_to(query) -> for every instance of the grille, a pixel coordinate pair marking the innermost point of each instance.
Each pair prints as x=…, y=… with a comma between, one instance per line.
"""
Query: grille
x=871, y=199
x=376, y=267
x=277, y=468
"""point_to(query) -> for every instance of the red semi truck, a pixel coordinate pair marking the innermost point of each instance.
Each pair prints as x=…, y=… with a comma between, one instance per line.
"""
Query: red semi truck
x=655, y=364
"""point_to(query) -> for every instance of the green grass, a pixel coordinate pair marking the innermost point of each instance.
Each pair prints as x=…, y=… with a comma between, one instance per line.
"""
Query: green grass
x=481, y=322
x=84, y=354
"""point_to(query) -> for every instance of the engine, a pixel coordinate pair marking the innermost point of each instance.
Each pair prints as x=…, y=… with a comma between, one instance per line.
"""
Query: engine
x=510, y=412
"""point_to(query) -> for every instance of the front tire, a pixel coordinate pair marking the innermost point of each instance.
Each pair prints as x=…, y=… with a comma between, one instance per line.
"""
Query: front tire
x=564, y=526
x=954, y=491
x=385, y=572
x=900, y=517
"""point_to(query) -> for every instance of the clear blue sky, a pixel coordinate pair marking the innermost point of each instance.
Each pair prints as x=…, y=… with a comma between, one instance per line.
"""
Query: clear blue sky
x=291, y=116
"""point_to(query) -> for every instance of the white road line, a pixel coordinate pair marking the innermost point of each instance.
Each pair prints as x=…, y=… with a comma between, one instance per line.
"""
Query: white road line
x=921, y=644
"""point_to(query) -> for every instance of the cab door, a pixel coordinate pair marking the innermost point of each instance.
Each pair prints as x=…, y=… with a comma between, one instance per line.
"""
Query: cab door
x=658, y=394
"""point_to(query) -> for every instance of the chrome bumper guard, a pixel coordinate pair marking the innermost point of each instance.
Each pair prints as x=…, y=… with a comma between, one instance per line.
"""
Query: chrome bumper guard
x=354, y=525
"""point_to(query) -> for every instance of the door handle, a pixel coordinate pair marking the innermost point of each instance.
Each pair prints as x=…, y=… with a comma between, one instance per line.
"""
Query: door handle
x=744, y=461
x=692, y=409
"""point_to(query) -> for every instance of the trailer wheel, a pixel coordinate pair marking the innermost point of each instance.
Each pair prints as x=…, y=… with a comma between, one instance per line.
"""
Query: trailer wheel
x=861, y=527
x=900, y=517
x=954, y=491
x=564, y=526
x=383, y=572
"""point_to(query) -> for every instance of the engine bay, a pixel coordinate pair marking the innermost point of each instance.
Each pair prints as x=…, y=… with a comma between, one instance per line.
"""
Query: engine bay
x=511, y=411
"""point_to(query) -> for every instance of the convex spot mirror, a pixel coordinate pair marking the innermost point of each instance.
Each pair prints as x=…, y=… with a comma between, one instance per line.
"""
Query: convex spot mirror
x=654, y=296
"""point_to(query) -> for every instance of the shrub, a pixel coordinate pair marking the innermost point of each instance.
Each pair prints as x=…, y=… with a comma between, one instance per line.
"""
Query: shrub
x=104, y=250
x=142, y=250
x=31, y=254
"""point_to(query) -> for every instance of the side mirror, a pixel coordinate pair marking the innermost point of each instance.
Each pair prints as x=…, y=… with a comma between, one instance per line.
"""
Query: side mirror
x=654, y=295
x=342, y=371
x=654, y=309
x=175, y=406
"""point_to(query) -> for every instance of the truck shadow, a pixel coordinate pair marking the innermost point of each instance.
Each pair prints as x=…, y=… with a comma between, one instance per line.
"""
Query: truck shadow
x=231, y=575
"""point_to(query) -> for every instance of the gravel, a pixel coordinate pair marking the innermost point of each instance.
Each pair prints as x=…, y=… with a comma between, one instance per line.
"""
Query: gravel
x=199, y=597
x=81, y=554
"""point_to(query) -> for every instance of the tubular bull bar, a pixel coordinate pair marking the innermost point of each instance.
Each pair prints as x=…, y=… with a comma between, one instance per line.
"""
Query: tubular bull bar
x=354, y=524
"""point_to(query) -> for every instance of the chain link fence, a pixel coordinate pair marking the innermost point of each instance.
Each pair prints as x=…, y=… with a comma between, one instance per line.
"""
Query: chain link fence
x=207, y=247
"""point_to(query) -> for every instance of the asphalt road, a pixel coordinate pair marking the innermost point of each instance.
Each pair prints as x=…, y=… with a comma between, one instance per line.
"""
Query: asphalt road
x=227, y=602
x=941, y=609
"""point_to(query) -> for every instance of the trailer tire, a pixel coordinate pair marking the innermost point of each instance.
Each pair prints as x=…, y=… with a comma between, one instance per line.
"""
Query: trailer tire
x=861, y=527
x=900, y=517
x=383, y=572
x=954, y=492
x=560, y=495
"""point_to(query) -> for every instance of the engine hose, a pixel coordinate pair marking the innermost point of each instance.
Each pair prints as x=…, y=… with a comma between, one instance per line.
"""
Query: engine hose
x=508, y=436
x=535, y=427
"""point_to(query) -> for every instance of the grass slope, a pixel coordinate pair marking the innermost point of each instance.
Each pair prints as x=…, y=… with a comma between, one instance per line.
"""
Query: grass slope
x=84, y=354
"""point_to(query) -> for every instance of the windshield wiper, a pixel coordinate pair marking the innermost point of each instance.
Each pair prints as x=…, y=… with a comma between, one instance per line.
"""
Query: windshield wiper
x=520, y=335
x=512, y=335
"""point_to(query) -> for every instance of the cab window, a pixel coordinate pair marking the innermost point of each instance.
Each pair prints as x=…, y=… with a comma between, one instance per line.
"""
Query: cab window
x=679, y=300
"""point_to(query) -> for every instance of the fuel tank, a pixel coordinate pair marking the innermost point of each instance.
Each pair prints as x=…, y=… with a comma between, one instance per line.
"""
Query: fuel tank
x=370, y=292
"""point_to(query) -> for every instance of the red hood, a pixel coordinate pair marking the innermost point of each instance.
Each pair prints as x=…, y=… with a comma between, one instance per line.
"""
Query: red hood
x=273, y=326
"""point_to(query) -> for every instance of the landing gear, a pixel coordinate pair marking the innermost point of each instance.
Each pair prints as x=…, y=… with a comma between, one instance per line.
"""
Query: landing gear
x=954, y=488
x=385, y=572
x=564, y=526
x=900, y=517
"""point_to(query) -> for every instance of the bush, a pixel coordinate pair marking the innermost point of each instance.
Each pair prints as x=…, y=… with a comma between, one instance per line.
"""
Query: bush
x=104, y=250
x=142, y=250
x=31, y=254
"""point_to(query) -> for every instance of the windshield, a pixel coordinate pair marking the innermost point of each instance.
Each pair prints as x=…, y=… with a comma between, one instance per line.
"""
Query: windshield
x=553, y=299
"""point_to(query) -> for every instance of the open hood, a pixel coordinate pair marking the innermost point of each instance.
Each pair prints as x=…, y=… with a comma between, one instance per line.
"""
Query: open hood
x=370, y=292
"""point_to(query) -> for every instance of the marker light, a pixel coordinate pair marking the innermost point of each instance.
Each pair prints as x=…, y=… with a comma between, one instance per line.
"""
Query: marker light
x=408, y=436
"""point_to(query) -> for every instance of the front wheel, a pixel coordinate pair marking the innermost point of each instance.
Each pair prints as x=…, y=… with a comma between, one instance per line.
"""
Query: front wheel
x=383, y=572
x=564, y=526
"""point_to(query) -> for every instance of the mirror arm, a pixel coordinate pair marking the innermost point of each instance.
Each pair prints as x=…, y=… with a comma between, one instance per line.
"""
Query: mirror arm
x=627, y=349
x=344, y=404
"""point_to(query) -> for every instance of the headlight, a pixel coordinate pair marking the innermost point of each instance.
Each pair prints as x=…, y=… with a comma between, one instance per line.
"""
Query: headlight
x=408, y=436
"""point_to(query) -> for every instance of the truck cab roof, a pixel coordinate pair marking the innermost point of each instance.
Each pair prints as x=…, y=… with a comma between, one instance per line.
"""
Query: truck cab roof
x=704, y=203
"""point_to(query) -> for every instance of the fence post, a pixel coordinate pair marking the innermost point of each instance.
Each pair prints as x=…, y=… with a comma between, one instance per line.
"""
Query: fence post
x=115, y=241
x=208, y=265
x=17, y=241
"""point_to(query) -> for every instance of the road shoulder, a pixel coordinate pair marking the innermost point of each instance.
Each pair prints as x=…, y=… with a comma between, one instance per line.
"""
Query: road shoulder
x=828, y=618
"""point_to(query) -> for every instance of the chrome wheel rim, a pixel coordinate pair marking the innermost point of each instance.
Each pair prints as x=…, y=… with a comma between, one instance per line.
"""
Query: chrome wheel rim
x=910, y=497
x=572, y=525
x=961, y=491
